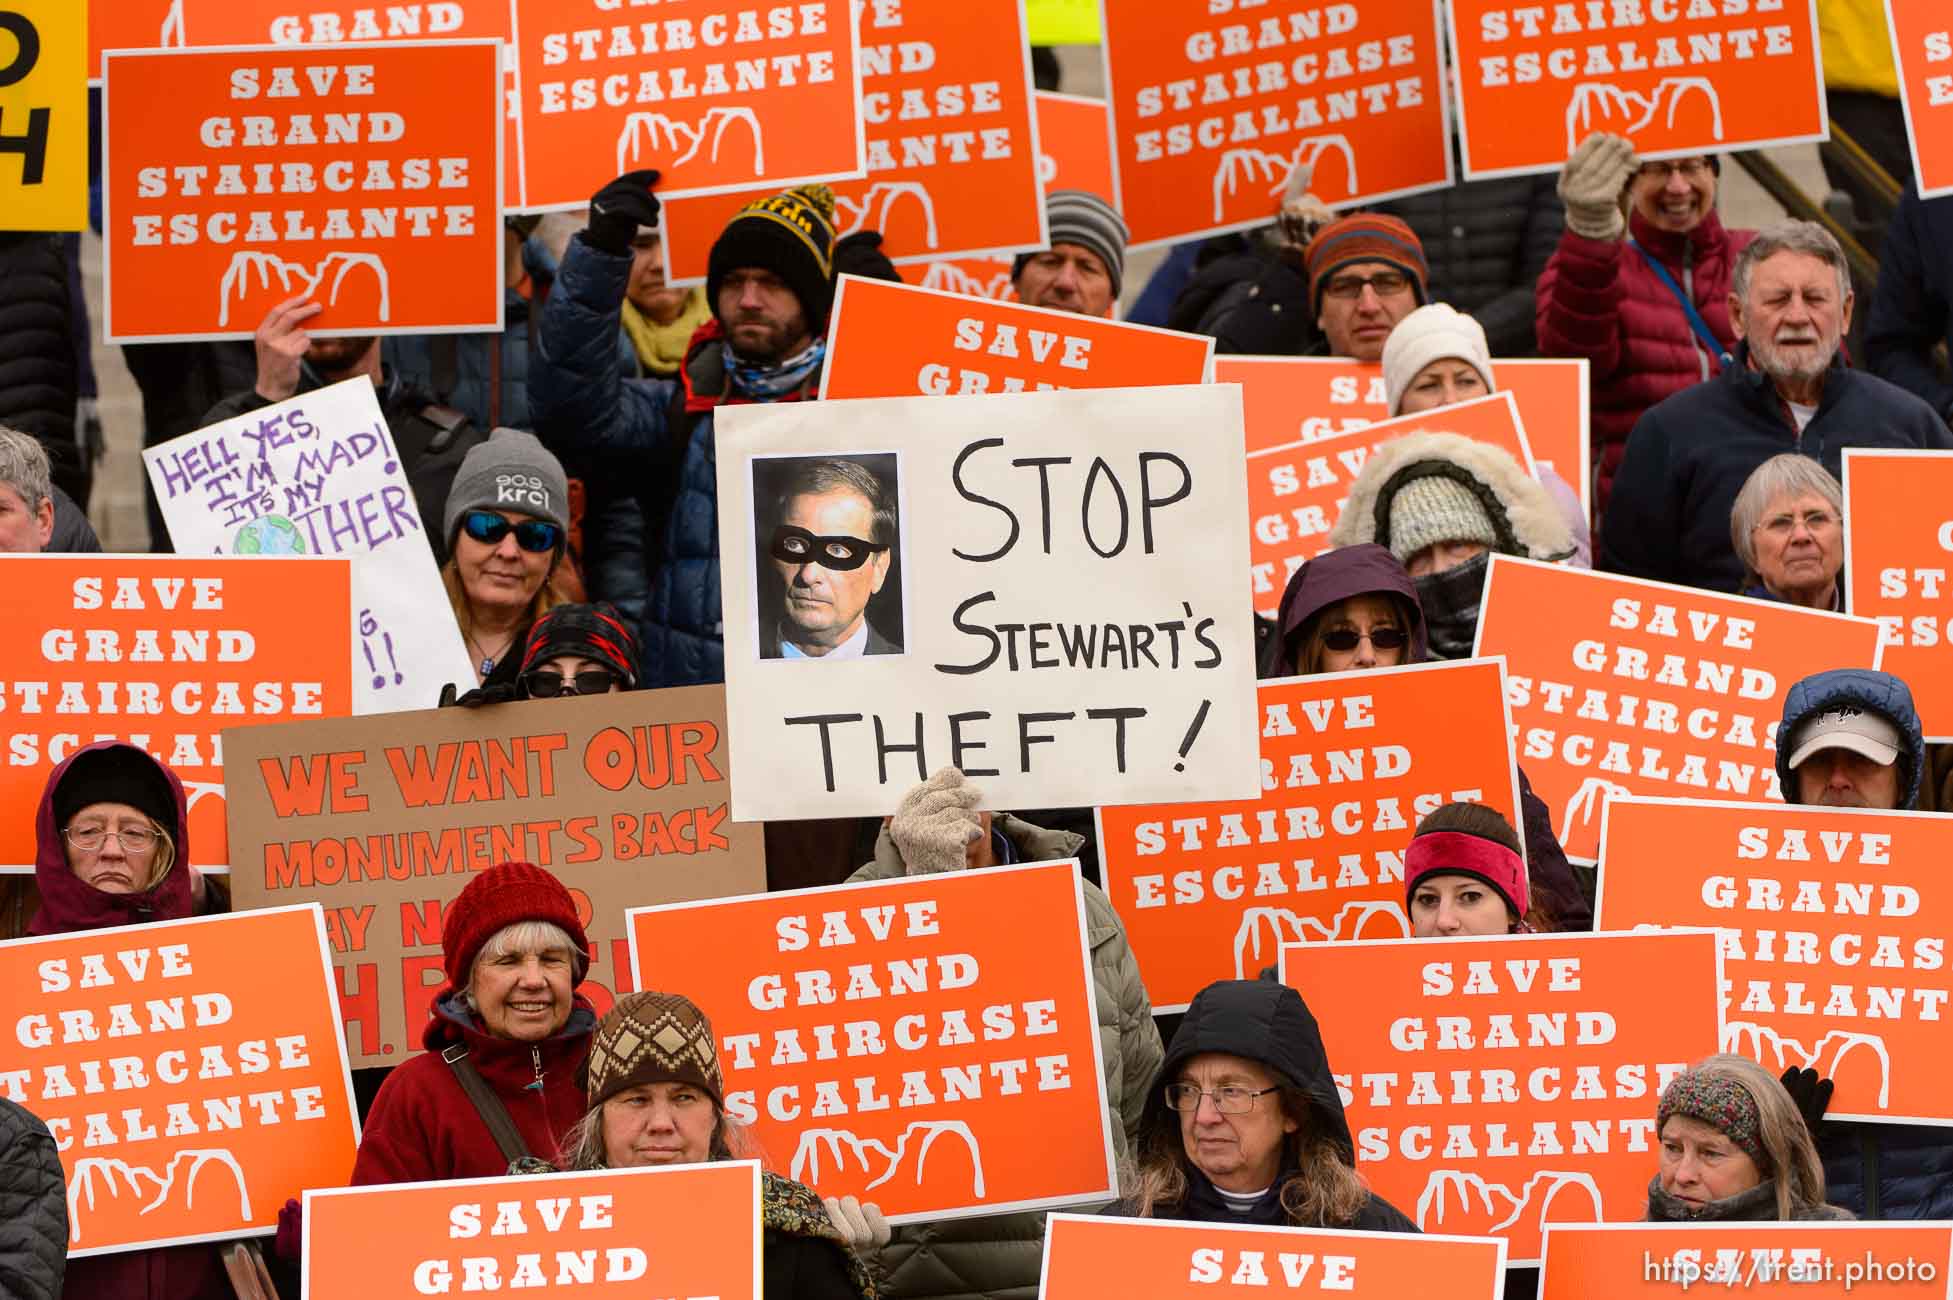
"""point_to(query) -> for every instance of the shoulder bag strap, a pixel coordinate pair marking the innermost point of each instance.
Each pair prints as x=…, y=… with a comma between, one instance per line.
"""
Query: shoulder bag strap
x=493, y=1113
x=1696, y=323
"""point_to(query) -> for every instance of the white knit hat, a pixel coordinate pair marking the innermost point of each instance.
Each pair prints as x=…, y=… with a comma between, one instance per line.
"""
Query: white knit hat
x=1432, y=333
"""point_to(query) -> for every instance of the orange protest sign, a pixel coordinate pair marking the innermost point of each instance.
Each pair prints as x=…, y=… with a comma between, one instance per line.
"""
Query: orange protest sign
x=1209, y=115
x=1898, y=554
x=892, y=340
x=1922, y=47
x=1822, y=1261
x=727, y=96
x=952, y=141
x=1704, y=78
x=1087, y=1258
x=1494, y=1085
x=673, y=1230
x=131, y=24
x=864, y=1027
x=191, y=1072
x=1833, y=932
x=1296, y=492
x=280, y=22
x=1211, y=891
x=383, y=819
x=163, y=652
x=1625, y=686
x=367, y=177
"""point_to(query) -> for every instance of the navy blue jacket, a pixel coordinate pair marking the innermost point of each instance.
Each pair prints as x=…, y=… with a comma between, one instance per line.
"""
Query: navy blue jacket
x=1912, y=307
x=1688, y=457
x=1877, y=1171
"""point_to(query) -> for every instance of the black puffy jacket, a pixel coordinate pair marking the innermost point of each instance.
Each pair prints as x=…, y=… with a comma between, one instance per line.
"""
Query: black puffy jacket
x=33, y=1208
x=39, y=383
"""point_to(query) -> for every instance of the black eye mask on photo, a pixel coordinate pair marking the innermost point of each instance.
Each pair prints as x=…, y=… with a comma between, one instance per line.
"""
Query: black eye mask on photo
x=793, y=545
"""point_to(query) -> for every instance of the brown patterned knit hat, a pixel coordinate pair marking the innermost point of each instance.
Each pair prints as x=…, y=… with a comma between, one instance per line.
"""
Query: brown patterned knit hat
x=1721, y=1103
x=652, y=1038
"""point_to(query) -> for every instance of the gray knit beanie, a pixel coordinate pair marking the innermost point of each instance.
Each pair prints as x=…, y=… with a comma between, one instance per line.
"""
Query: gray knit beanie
x=1082, y=218
x=512, y=471
x=1436, y=508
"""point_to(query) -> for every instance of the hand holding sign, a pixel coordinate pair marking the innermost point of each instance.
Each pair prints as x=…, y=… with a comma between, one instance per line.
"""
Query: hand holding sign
x=1591, y=185
x=282, y=342
x=619, y=208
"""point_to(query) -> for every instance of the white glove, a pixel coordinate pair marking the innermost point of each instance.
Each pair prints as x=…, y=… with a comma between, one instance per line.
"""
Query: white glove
x=936, y=823
x=860, y=1222
x=1591, y=185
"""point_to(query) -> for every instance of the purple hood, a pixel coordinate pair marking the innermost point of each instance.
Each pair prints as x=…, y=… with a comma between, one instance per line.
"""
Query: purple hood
x=1337, y=575
x=67, y=904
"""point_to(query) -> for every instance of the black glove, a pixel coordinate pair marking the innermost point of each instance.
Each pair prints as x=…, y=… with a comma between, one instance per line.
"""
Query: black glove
x=619, y=208
x=1811, y=1093
x=501, y=693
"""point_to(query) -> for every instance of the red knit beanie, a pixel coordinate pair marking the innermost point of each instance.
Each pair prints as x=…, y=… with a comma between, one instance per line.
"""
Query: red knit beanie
x=504, y=895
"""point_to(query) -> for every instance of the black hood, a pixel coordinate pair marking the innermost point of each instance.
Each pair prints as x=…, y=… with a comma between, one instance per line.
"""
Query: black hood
x=1261, y=1021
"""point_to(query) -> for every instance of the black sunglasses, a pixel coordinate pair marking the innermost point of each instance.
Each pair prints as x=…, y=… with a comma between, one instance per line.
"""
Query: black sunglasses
x=489, y=528
x=792, y=545
x=1342, y=639
x=547, y=683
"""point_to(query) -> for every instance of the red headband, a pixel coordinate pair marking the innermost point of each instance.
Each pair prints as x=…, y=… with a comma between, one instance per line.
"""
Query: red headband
x=1455, y=853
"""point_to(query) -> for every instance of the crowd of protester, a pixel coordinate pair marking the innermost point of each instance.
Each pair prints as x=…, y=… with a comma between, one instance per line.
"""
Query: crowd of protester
x=1722, y=401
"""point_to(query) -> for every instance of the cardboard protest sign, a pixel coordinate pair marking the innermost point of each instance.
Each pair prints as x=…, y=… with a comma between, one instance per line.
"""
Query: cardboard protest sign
x=44, y=115
x=1704, y=78
x=965, y=1024
x=1296, y=492
x=1832, y=928
x=891, y=340
x=1898, y=538
x=383, y=819
x=1624, y=686
x=1922, y=47
x=1304, y=399
x=1089, y=1257
x=952, y=141
x=1210, y=115
x=318, y=474
x=280, y=22
x=727, y=96
x=665, y=1230
x=1496, y=1084
x=192, y=1073
x=366, y=177
x=164, y=652
x=1044, y=589
x=1824, y=1261
x=1352, y=761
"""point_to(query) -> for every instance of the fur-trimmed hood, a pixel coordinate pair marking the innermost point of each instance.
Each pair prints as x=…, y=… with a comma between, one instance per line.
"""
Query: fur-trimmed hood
x=1522, y=513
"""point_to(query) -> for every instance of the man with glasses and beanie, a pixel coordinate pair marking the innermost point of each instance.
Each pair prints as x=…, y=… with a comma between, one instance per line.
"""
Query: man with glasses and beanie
x=830, y=550
x=1366, y=272
x=769, y=282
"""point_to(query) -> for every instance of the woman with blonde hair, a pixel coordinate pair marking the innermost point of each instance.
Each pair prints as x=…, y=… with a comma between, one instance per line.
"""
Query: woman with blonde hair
x=507, y=517
x=1734, y=1148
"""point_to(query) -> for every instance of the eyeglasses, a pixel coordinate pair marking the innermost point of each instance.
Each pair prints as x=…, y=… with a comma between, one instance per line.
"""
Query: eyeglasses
x=1693, y=169
x=1351, y=286
x=133, y=839
x=1229, y=1101
x=489, y=528
x=793, y=545
x=1785, y=525
x=1343, y=639
x=547, y=684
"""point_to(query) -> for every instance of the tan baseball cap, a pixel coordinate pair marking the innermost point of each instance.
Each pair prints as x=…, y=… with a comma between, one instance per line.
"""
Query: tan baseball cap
x=1863, y=733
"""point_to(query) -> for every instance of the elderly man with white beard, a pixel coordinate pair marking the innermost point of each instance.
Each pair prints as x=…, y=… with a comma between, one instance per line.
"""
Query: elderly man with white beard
x=1790, y=390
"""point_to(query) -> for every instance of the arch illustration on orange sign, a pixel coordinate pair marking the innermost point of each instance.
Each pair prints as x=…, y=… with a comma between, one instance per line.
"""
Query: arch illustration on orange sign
x=81, y=1185
x=1779, y=1052
x=881, y=198
x=1283, y=925
x=1252, y=166
x=806, y=1166
x=667, y=136
x=1595, y=105
x=246, y=262
x=1492, y=1208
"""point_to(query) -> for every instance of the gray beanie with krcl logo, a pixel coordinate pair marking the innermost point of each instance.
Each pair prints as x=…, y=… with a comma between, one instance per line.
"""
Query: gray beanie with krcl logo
x=511, y=471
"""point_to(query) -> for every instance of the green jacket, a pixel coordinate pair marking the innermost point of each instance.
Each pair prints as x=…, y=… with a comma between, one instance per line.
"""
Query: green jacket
x=997, y=1257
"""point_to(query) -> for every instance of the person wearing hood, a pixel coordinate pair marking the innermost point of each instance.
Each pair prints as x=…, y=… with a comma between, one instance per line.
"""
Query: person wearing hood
x=1438, y=357
x=498, y=1082
x=1356, y=608
x=1850, y=738
x=112, y=848
x=1244, y=1124
x=1734, y=1149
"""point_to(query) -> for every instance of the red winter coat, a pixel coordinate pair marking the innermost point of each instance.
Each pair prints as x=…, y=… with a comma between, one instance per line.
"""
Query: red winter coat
x=1599, y=299
x=422, y=1126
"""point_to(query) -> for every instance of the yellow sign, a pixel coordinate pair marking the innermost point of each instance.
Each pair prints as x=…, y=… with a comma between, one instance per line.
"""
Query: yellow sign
x=1063, y=22
x=43, y=114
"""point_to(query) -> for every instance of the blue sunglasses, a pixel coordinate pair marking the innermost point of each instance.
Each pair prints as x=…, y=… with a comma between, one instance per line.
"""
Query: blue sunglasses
x=489, y=528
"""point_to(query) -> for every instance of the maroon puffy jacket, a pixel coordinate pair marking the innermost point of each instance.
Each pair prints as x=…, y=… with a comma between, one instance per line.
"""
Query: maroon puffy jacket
x=1599, y=299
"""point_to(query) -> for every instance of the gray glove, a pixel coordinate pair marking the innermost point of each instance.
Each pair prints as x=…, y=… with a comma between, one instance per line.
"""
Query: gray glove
x=1591, y=185
x=859, y=1222
x=936, y=823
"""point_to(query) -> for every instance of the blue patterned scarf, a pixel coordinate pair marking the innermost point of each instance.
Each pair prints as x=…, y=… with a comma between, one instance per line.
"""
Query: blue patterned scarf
x=769, y=383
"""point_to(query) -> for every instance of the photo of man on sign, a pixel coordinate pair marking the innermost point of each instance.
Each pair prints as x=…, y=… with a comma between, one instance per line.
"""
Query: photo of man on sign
x=827, y=548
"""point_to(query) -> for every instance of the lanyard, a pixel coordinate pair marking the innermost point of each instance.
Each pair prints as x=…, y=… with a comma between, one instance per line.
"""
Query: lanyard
x=1696, y=323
